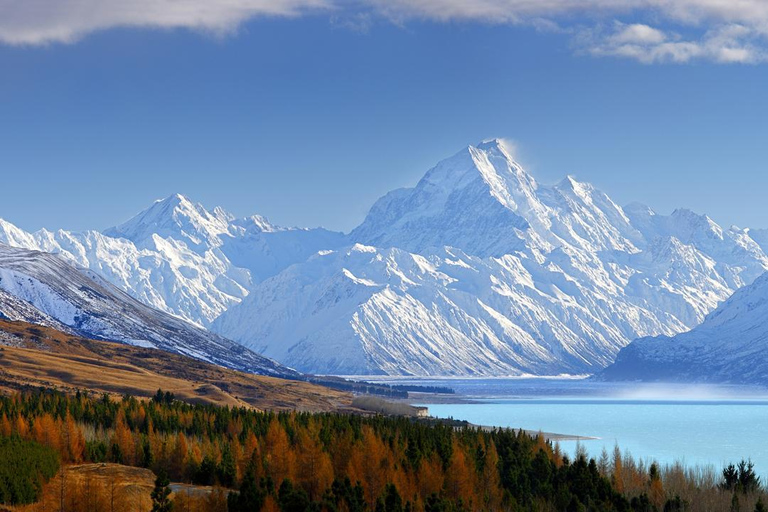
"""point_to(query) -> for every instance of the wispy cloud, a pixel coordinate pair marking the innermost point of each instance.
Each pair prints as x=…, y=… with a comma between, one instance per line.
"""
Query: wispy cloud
x=725, y=44
x=747, y=12
x=39, y=22
x=723, y=31
x=650, y=31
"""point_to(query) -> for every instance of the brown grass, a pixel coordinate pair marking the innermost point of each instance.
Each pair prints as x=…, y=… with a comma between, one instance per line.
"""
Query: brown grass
x=96, y=487
x=110, y=487
x=46, y=357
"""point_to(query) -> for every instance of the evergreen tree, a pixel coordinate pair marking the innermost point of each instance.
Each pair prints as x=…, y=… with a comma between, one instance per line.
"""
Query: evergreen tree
x=749, y=482
x=226, y=470
x=390, y=501
x=292, y=499
x=161, y=501
x=250, y=497
x=24, y=465
x=147, y=459
x=206, y=472
x=675, y=505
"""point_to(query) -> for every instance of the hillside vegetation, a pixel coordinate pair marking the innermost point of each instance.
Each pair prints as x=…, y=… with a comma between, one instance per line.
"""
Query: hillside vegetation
x=41, y=356
x=338, y=462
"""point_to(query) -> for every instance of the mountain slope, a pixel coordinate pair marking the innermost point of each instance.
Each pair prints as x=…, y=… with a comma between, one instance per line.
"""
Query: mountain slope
x=483, y=202
x=180, y=258
x=33, y=355
x=479, y=269
x=731, y=345
x=366, y=310
x=53, y=293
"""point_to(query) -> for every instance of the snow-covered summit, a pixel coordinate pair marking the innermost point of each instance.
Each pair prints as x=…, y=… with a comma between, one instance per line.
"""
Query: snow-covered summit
x=179, y=257
x=175, y=217
x=483, y=201
x=523, y=278
x=476, y=269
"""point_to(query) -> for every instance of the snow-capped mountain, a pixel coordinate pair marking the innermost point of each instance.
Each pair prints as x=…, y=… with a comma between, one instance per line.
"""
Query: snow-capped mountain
x=44, y=289
x=178, y=257
x=367, y=310
x=479, y=269
x=730, y=346
x=16, y=309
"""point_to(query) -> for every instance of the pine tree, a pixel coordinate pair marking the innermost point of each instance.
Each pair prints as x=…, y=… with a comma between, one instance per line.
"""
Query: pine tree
x=161, y=501
x=250, y=496
x=730, y=478
x=391, y=500
x=226, y=471
x=749, y=482
x=657, y=493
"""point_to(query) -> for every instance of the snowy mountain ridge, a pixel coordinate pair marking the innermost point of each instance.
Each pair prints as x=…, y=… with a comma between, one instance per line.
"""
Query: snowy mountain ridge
x=730, y=346
x=477, y=269
x=178, y=257
x=44, y=289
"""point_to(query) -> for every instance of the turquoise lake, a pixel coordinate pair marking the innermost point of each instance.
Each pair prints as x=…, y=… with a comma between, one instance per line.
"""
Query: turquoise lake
x=694, y=425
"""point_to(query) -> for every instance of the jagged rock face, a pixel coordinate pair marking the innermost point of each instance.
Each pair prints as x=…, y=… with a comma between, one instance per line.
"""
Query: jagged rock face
x=730, y=346
x=477, y=270
x=178, y=257
x=44, y=289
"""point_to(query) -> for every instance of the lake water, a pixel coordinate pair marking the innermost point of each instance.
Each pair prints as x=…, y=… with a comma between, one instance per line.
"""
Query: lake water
x=692, y=424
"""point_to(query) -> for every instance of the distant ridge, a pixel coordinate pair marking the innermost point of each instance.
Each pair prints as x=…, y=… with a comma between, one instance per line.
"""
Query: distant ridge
x=60, y=296
x=730, y=346
x=476, y=270
x=481, y=270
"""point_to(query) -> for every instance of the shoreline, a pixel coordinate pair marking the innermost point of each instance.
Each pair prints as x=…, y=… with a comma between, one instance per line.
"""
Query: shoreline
x=549, y=436
x=416, y=399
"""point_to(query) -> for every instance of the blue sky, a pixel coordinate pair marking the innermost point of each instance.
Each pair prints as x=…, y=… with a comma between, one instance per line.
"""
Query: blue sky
x=309, y=112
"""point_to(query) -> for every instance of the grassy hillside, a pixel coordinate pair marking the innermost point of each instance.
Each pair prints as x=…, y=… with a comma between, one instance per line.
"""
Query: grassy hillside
x=40, y=356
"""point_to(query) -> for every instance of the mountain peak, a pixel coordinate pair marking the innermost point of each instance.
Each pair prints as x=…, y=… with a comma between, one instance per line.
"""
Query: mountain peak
x=470, y=200
x=571, y=183
x=178, y=217
x=499, y=145
x=491, y=144
x=174, y=199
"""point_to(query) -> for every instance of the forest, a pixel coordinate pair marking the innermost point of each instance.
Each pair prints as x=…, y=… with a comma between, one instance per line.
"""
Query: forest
x=251, y=461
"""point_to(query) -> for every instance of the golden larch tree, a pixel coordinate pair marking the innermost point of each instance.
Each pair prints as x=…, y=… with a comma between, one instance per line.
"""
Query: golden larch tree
x=314, y=470
x=280, y=458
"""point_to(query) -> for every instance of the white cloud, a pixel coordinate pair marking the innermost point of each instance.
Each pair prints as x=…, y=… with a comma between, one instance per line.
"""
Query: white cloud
x=497, y=11
x=36, y=22
x=725, y=44
x=725, y=31
x=686, y=11
x=638, y=33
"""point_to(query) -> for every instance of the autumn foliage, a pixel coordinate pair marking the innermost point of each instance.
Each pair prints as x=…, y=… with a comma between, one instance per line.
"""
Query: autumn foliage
x=327, y=462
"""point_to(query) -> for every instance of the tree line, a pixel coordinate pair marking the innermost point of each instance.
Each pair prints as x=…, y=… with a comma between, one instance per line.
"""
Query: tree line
x=329, y=462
